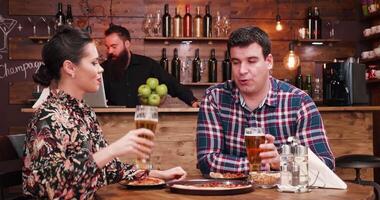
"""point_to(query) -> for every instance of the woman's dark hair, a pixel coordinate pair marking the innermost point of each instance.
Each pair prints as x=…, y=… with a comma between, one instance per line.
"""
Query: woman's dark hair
x=120, y=31
x=67, y=44
x=244, y=37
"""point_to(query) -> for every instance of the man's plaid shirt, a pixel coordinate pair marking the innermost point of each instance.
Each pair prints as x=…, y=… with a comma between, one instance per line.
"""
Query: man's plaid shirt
x=223, y=115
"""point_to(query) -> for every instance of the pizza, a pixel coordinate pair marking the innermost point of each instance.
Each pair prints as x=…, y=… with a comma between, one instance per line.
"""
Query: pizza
x=211, y=186
x=227, y=175
x=148, y=181
x=265, y=178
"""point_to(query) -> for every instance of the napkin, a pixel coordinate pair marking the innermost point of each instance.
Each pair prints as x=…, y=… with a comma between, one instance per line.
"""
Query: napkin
x=42, y=98
x=322, y=176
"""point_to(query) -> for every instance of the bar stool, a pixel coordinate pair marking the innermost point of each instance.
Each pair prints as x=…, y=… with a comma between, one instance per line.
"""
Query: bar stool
x=357, y=162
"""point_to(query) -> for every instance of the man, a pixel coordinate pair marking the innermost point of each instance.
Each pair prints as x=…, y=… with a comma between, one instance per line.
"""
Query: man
x=125, y=71
x=255, y=99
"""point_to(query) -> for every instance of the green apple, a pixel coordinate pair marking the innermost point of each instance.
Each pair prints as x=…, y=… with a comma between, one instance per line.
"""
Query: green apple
x=144, y=91
x=152, y=83
x=162, y=90
x=154, y=100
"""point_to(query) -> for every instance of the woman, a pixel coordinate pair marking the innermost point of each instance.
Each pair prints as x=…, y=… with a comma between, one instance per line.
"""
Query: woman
x=66, y=155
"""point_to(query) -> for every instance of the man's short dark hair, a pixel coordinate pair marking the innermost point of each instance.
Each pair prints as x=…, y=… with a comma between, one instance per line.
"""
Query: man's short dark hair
x=244, y=37
x=119, y=30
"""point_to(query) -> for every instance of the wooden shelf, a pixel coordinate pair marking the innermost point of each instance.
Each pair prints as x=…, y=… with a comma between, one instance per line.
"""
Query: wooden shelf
x=372, y=16
x=39, y=39
x=371, y=60
x=373, y=81
x=186, y=40
x=317, y=42
x=372, y=37
x=199, y=84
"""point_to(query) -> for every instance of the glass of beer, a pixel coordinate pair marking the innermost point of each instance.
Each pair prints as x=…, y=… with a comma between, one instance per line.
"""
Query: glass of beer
x=146, y=117
x=254, y=136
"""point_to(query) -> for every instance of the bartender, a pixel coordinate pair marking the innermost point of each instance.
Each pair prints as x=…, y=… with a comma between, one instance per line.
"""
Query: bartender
x=125, y=71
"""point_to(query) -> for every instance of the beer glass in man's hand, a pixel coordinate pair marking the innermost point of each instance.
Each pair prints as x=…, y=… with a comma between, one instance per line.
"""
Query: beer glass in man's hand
x=146, y=117
x=254, y=136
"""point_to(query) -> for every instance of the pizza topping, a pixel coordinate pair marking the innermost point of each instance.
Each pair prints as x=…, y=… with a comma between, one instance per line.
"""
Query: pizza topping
x=227, y=175
x=147, y=181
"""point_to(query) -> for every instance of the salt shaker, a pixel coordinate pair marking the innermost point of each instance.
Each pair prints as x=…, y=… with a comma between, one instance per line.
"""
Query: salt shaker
x=286, y=163
x=301, y=168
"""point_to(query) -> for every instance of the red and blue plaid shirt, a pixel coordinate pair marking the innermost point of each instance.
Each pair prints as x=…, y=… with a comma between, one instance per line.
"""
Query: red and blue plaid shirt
x=223, y=116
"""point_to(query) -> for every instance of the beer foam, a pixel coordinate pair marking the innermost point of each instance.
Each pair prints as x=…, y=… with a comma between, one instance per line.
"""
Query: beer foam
x=146, y=119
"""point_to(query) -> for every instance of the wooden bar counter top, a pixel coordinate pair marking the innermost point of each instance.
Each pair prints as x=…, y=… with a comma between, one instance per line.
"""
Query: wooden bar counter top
x=354, y=192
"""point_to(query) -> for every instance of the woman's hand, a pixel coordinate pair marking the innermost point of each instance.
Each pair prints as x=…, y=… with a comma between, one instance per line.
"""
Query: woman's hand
x=134, y=142
x=174, y=173
x=270, y=155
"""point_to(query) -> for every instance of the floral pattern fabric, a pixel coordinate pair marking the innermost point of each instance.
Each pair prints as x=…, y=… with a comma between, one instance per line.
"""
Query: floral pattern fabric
x=61, y=139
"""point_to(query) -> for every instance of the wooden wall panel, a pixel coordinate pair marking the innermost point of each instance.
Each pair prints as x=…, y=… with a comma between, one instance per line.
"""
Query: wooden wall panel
x=265, y=9
x=21, y=48
x=20, y=92
x=242, y=12
x=97, y=7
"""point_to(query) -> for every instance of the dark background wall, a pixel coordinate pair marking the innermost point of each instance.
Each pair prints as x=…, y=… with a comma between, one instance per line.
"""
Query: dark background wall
x=21, y=58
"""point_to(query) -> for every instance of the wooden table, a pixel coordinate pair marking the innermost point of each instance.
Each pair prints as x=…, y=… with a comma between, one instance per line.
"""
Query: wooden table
x=354, y=192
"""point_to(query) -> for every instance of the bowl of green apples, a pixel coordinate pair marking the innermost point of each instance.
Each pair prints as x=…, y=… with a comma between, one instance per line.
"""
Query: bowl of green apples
x=152, y=92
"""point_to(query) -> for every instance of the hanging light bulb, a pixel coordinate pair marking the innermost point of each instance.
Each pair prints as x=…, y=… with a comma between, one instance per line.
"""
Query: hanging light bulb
x=278, y=23
x=291, y=60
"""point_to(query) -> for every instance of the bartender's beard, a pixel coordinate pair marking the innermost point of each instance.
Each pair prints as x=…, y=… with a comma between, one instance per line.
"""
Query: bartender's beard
x=118, y=64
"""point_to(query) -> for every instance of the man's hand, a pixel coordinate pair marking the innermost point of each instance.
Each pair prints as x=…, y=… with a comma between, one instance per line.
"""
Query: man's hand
x=195, y=104
x=270, y=155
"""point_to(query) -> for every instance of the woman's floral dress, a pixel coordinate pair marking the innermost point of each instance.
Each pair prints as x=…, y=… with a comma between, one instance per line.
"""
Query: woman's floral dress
x=61, y=139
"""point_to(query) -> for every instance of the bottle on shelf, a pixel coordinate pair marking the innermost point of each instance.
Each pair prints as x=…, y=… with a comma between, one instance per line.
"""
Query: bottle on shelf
x=207, y=23
x=59, y=17
x=212, y=68
x=177, y=24
x=364, y=7
x=317, y=90
x=317, y=24
x=164, y=62
x=198, y=27
x=166, y=22
x=69, y=16
x=187, y=23
x=196, y=67
x=226, y=66
x=308, y=86
x=176, y=66
x=218, y=25
x=299, y=79
x=309, y=24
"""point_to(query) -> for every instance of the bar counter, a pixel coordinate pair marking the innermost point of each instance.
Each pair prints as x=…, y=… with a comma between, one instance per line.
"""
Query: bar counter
x=349, y=129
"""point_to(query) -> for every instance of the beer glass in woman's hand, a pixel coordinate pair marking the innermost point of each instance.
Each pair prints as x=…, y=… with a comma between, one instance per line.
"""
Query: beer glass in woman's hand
x=146, y=117
x=254, y=136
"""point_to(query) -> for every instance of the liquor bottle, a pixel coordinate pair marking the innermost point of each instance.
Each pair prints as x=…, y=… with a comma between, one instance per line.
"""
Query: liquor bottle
x=308, y=86
x=176, y=66
x=309, y=24
x=299, y=79
x=226, y=66
x=177, y=24
x=196, y=67
x=317, y=24
x=198, y=27
x=218, y=24
x=212, y=68
x=207, y=23
x=59, y=17
x=166, y=22
x=187, y=23
x=164, y=62
x=69, y=16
